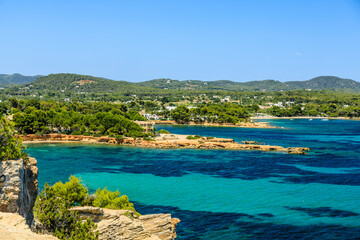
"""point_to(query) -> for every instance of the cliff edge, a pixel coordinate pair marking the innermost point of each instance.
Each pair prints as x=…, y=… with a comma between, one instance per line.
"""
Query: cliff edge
x=123, y=224
x=18, y=192
x=18, y=187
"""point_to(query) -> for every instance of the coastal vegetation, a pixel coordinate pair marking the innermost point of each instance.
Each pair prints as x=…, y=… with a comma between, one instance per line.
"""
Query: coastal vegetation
x=193, y=137
x=10, y=147
x=53, y=204
x=90, y=106
x=163, y=131
x=40, y=117
x=211, y=112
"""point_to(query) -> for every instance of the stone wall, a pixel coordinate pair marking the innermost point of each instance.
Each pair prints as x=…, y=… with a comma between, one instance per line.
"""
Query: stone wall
x=18, y=187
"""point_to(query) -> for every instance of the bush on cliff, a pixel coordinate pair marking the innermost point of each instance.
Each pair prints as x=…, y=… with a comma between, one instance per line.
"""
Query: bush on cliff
x=53, y=212
x=53, y=203
x=10, y=147
x=112, y=200
x=72, y=191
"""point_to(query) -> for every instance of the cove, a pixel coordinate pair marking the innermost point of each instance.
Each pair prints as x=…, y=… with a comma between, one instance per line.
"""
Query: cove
x=225, y=194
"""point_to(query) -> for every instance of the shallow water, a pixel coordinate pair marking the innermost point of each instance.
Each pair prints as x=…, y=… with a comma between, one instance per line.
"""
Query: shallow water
x=225, y=194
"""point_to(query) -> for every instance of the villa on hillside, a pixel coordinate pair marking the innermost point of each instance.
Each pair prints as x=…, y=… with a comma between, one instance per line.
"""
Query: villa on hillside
x=147, y=126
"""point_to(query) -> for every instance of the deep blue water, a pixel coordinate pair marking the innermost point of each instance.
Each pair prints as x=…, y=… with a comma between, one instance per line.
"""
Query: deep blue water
x=225, y=194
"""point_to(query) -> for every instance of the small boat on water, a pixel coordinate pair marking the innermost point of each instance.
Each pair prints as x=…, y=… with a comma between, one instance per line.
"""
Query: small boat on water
x=324, y=119
x=310, y=119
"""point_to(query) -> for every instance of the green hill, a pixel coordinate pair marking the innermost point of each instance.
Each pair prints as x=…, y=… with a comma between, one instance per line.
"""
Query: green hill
x=9, y=80
x=74, y=83
x=81, y=83
x=318, y=83
x=327, y=82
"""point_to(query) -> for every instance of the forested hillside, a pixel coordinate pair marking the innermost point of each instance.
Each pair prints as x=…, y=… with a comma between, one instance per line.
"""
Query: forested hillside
x=327, y=82
x=8, y=80
x=81, y=83
x=84, y=83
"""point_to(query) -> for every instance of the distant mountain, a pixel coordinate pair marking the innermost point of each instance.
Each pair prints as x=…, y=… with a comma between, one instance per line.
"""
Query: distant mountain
x=8, y=80
x=326, y=82
x=226, y=85
x=318, y=83
x=89, y=84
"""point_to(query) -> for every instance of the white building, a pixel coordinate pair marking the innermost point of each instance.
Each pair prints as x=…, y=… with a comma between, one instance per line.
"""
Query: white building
x=170, y=108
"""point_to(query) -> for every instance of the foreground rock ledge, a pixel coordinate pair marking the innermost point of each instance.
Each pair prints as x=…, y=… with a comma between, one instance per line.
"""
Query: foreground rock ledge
x=14, y=227
x=165, y=141
x=123, y=224
x=18, y=192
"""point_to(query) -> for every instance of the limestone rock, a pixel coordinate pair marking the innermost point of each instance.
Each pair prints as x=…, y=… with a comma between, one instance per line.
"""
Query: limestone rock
x=123, y=224
x=18, y=189
x=14, y=227
x=161, y=225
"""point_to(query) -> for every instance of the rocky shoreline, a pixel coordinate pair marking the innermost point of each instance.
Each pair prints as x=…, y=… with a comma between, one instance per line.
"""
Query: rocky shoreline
x=240, y=124
x=164, y=141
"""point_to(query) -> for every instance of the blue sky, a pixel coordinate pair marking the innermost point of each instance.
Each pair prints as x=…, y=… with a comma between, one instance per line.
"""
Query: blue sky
x=182, y=39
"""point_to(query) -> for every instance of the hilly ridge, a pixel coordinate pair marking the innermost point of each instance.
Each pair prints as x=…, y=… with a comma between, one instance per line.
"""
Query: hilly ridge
x=318, y=83
x=79, y=83
x=8, y=80
x=91, y=84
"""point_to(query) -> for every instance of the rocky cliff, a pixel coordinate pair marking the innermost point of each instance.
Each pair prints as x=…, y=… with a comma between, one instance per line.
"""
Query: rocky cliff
x=123, y=224
x=18, y=192
x=18, y=187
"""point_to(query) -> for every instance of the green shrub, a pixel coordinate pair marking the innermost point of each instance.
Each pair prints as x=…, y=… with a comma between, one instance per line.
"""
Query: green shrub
x=10, y=147
x=119, y=137
x=53, y=203
x=163, y=131
x=112, y=200
x=72, y=191
x=193, y=137
x=76, y=132
x=97, y=135
x=53, y=212
x=87, y=134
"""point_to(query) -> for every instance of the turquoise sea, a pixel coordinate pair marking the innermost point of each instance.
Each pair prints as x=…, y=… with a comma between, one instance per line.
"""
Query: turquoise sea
x=225, y=194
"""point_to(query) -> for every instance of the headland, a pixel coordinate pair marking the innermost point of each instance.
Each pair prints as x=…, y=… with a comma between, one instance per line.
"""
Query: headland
x=164, y=141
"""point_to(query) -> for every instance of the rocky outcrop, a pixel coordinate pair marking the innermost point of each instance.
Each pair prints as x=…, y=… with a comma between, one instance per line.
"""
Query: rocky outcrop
x=18, y=187
x=123, y=224
x=248, y=124
x=14, y=227
x=18, y=192
x=170, y=141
